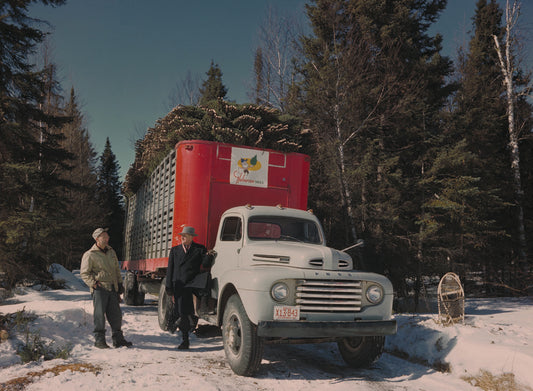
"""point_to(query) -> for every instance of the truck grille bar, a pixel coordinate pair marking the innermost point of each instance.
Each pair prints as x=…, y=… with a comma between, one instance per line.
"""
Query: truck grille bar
x=314, y=296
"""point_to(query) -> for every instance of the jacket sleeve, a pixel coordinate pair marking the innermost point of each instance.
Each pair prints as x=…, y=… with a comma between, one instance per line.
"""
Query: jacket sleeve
x=85, y=271
x=117, y=271
x=170, y=272
x=207, y=260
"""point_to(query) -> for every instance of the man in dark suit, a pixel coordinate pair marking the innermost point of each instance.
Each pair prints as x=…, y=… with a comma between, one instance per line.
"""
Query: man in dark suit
x=185, y=262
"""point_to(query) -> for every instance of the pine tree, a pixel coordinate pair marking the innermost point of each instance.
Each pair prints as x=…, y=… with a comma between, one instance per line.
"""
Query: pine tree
x=82, y=205
x=212, y=89
x=31, y=214
x=457, y=219
x=110, y=198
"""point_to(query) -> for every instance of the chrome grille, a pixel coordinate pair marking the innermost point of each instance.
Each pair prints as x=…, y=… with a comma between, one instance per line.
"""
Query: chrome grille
x=315, y=296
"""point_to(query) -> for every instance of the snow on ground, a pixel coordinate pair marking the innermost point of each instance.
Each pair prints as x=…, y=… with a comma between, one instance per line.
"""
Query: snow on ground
x=496, y=336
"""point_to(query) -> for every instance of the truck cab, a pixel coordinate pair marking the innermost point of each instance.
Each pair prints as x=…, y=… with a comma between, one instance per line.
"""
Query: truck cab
x=276, y=281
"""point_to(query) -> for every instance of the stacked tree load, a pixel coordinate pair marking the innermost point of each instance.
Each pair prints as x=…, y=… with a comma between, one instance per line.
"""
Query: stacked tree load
x=221, y=121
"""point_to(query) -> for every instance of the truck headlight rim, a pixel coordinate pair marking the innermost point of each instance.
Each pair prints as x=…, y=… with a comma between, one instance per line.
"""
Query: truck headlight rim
x=374, y=294
x=279, y=291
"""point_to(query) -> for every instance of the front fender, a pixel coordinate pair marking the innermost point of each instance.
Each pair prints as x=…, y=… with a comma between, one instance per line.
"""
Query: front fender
x=253, y=287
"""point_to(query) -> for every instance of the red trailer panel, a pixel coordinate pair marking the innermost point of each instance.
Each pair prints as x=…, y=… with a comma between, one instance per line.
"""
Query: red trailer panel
x=208, y=178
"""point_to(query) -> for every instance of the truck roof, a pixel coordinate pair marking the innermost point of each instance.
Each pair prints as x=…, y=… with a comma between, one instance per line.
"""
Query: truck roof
x=255, y=210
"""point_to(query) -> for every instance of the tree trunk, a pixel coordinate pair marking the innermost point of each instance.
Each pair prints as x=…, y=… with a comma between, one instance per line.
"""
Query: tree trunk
x=507, y=68
x=346, y=195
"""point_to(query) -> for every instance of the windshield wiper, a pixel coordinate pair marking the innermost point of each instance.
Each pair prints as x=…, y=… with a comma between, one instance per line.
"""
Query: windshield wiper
x=287, y=237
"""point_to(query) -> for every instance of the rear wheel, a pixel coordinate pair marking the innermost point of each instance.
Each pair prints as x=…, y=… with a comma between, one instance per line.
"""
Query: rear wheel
x=139, y=297
x=165, y=308
x=242, y=346
x=361, y=352
x=132, y=296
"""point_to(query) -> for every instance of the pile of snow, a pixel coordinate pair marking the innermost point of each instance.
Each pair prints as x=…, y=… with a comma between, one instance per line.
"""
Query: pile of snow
x=495, y=337
x=72, y=279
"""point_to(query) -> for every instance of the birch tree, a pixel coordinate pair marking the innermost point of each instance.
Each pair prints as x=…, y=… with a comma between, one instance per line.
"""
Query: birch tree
x=274, y=65
x=185, y=92
x=508, y=67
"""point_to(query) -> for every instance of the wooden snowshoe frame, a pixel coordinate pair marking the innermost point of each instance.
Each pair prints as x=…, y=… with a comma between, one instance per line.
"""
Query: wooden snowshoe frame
x=451, y=300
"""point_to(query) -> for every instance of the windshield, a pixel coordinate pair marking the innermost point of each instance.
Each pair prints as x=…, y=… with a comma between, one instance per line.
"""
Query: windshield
x=283, y=228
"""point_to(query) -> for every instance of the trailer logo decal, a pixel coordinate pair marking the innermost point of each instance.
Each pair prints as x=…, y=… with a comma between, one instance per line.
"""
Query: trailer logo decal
x=249, y=164
x=249, y=167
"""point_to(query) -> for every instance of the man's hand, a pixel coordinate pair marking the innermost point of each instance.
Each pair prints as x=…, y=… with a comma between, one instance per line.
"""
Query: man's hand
x=97, y=285
x=170, y=294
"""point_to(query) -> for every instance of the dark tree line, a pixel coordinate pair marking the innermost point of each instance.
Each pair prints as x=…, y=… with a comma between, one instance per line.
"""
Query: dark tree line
x=53, y=192
x=414, y=154
x=410, y=151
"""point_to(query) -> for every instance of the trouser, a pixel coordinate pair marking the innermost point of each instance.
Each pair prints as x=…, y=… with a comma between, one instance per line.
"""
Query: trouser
x=183, y=308
x=106, y=305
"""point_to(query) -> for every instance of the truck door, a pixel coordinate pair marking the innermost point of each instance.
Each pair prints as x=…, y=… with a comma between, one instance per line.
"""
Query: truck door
x=228, y=246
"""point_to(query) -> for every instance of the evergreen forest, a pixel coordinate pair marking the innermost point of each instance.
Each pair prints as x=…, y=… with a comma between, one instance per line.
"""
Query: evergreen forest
x=428, y=160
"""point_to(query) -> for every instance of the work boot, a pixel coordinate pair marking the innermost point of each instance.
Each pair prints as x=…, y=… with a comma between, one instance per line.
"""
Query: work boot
x=99, y=341
x=184, y=345
x=118, y=340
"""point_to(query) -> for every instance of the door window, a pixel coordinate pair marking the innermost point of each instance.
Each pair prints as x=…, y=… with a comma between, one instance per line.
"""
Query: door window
x=232, y=229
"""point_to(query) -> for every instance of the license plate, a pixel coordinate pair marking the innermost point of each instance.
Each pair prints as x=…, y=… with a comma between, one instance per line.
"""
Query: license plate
x=286, y=312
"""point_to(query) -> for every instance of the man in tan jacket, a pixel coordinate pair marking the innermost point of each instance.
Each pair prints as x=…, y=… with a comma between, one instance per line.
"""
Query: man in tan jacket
x=101, y=272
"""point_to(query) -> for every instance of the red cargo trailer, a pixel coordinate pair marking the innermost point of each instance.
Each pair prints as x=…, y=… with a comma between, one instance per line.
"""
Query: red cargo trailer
x=193, y=186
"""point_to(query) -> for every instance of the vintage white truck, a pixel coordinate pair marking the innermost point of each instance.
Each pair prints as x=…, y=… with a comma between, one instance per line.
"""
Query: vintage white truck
x=274, y=280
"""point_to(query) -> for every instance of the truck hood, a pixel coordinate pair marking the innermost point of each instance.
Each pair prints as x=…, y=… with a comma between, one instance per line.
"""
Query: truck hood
x=300, y=255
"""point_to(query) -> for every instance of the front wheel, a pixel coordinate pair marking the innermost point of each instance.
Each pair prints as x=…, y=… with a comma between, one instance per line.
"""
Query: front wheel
x=242, y=346
x=361, y=352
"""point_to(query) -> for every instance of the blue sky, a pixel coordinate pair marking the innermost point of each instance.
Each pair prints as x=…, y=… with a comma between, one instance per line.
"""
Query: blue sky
x=124, y=57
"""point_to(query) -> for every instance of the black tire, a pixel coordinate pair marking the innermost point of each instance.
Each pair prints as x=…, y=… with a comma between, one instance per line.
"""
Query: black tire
x=165, y=308
x=361, y=352
x=139, y=297
x=130, y=287
x=132, y=296
x=242, y=346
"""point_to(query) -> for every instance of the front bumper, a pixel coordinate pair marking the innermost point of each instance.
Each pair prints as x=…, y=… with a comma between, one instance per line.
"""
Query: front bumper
x=307, y=329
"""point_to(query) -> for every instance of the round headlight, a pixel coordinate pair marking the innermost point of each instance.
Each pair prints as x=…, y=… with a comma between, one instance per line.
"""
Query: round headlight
x=374, y=294
x=279, y=291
